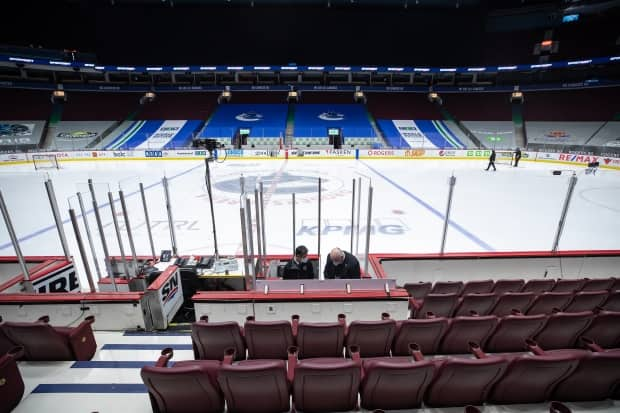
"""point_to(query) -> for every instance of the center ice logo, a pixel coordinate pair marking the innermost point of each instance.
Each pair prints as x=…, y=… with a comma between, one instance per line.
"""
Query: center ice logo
x=285, y=183
x=331, y=115
x=249, y=117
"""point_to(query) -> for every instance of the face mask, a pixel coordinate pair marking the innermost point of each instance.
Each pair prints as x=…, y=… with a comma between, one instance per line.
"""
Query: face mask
x=304, y=260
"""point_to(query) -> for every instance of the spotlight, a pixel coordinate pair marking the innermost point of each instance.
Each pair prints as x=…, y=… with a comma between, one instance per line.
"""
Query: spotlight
x=293, y=96
x=434, y=97
x=59, y=96
x=359, y=96
x=225, y=96
x=147, y=98
x=516, y=97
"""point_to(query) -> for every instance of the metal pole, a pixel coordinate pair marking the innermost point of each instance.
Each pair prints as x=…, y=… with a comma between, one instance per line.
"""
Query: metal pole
x=248, y=215
x=368, y=223
x=148, y=223
x=208, y=178
x=80, y=244
x=262, y=218
x=352, y=214
x=104, y=244
x=244, y=239
x=118, y=233
x=319, y=227
x=173, y=237
x=258, y=227
x=18, y=251
x=59, y=226
x=294, y=229
x=569, y=194
x=452, y=182
x=132, y=247
x=89, y=235
x=242, y=184
x=359, y=208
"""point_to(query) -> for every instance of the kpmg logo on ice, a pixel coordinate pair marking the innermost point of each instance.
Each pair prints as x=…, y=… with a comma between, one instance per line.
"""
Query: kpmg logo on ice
x=384, y=226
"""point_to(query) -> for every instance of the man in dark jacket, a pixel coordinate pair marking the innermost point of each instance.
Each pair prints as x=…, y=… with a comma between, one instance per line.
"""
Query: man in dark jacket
x=517, y=156
x=341, y=264
x=491, y=161
x=299, y=267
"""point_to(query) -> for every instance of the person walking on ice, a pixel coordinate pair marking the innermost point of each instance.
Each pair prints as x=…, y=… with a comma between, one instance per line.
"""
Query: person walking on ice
x=491, y=161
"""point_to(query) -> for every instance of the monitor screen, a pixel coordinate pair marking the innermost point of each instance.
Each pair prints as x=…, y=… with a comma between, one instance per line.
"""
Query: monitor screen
x=244, y=131
x=333, y=131
x=570, y=18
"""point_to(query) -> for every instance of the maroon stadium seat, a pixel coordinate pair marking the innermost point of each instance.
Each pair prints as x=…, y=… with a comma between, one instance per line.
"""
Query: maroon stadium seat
x=464, y=330
x=478, y=287
x=187, y=387
x=268, y=339
x=508, y=286
x=395, y=383
x=480, y=303
x=596, y=377
x=568, y=285
x=442, y=305
x=5, y=342
x=374, y=338
x=616, y=285
x=605, y=329
x=320, y=339
x=11, y=383
x=598, y=284
x=546, y=303
x=42, y=342
x=512, y=332
x=508, y=302
x=326, y=385
x=563, y=329
x=211, y=340
x=427, y=333
x=447, y=287
x=613, y=302
x=461, y=381
x=259, y=386
x=532, y=379
x=586, y=301
x=538, y=286
x=418, y=290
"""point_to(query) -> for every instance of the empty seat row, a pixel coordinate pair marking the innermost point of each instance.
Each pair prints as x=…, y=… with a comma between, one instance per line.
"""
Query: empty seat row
x=437, y=335
x=42, y=342
x=421, y=289
x=448, y=305
x=336, y=384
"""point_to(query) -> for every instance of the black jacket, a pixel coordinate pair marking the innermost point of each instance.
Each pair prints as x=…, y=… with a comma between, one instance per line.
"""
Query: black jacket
x=492, y=157
x=295, y=271
x=350, y=268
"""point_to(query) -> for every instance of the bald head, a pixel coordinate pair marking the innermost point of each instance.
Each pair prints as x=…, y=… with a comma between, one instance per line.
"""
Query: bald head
x=337, y=256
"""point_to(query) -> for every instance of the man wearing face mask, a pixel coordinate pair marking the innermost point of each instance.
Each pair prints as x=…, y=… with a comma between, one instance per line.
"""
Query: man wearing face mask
x=299, y=267
x=341, y=264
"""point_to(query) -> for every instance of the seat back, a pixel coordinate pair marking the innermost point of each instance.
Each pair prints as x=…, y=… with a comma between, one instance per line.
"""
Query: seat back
x=563, y=329
x=418, y=290
x=464, y=381
x=320, y=340
x=41, y=341
x=268, y=339
x=210, y=340
x=513, y=330
x=545, y=303
x=538, y=286
x=187, y=387
x=613, y=301
x=532, y=379
x=442, y=305
x=586, y=301
x=605, y=329
x=568, y=285
x=464, y=330
x=326, y=385
x=598, y=284
x=374, y=338
x=5, y=342
x=395, y=383
x=478, y=287
x=12, y=385
x=508, y=286
x=596, y=377
x=481, y=303
x=255, y=386
x=426, y=333
x=512, y=301
x=447, y=287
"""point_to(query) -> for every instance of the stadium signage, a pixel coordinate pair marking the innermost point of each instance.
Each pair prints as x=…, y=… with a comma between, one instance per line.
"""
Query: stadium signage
x=200, y=153
x=578, y=158
x=478, y=153
x=339, y=152
x=120, y=154
x=63, y=280
x=446, y=153
x=153, y=154
x=415, y=153
x=76, y=135
x=184, y=153
x=383, y=152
